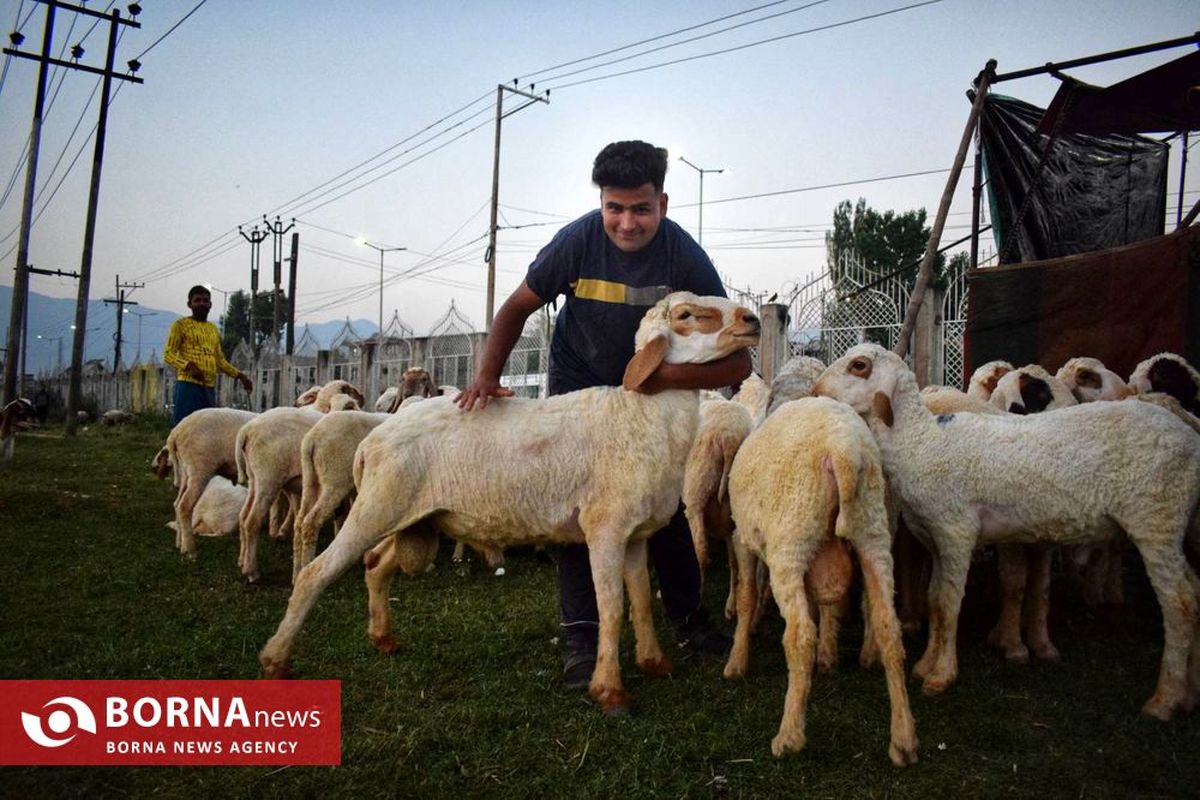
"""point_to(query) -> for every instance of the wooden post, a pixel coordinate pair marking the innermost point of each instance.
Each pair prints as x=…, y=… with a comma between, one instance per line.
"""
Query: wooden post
x=925, y=273
x=773, y=350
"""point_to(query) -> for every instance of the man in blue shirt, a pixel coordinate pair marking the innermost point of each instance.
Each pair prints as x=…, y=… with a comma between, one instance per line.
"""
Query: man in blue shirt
x=612, y=265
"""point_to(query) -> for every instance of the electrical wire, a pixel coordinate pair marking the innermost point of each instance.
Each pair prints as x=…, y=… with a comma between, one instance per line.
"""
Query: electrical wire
x=170, y=30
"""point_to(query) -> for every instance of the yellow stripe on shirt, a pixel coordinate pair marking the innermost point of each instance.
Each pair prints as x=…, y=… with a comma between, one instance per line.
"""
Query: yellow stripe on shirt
x=596, y=289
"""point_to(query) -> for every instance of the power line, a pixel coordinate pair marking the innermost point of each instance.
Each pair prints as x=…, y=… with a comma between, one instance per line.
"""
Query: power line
x=170, y=30
x=745, y=46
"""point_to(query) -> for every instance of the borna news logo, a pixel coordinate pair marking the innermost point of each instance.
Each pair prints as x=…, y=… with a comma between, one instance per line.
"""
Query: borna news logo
x=59, y=721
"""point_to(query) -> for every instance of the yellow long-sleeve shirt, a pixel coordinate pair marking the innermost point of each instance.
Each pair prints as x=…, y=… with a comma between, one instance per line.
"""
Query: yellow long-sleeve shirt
x=200, y=343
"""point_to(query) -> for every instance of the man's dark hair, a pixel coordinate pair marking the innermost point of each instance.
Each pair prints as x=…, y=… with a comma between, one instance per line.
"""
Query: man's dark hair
x=198, y=289
x=628, y=165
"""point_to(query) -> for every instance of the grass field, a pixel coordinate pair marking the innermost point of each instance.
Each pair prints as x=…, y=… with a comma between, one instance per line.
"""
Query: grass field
x=92, y=587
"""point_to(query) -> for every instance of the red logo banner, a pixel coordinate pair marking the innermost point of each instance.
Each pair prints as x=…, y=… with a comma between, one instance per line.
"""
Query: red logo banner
x=119, y=723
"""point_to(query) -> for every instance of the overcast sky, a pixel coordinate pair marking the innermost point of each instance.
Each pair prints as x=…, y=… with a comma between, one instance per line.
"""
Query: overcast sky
x=268, y=107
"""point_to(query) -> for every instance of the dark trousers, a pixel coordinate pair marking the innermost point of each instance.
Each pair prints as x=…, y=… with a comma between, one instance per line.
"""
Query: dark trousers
x=189, y=397
x=674, y=559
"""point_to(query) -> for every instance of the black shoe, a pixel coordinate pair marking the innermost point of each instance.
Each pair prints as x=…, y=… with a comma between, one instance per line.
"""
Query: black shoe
x=578, y=666
x=699, y=635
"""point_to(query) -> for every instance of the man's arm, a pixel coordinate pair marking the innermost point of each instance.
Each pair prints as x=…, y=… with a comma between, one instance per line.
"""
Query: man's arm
x=506, y=329
x=728, y=371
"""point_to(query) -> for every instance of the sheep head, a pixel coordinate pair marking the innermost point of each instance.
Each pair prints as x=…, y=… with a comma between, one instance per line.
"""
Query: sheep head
x=1169, y=374
x=1029, y=390
x=161, y=464
x=866, y=379
x=1089, y=380
x=330, y=390
x=984, y=379
x=308, y=397
x=19, y=415
x=415, y=382
x=684, y=328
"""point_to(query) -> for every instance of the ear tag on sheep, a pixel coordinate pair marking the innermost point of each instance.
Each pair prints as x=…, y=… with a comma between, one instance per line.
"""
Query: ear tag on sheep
x=644, y=362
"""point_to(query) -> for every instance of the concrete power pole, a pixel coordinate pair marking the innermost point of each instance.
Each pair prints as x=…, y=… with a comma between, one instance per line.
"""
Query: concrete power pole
x=491, y=250
x=255, y=238
x=120, y=302
x=277, y=230
x=291, y=325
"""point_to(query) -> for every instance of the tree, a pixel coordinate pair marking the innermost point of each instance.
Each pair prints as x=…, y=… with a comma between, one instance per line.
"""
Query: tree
x=236, y=322
x=883, y=242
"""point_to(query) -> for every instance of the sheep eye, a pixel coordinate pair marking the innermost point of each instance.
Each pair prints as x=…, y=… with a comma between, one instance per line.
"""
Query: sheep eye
x=686, y=315
x=858, y=366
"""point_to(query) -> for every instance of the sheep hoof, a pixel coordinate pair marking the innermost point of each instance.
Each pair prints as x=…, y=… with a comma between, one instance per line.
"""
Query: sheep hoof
x=903, y=755
x=734, y=671
x=275, y=670
x=935, y=686
x=386, y=644
x=253, y=578
x=189, y=555
x=1047, y=652
x=1158, y=709
x=785, y=743
x=614, y=702
x=1016, y=655
x=826, y=665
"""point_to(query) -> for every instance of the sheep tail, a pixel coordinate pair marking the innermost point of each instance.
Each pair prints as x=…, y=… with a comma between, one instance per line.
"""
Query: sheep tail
x=845, y=471
x=239, y=455
x=309, y=485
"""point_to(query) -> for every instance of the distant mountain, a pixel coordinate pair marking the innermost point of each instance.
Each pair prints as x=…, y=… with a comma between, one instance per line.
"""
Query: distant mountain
x=52, y=317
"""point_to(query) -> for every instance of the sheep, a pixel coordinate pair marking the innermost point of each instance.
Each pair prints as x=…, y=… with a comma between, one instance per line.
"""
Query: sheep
x=327, y=393
x=968, y=478
x=795, y=380
x=307, y=397
x=754, y=395
x=116, y=416
x=809, y=478
x=1170, y=374
x=19, y=415
x=601, y=466
x=984, y=378
x=216, y=513
x=1089, y=380
x=202, y=445
x=1028, y=390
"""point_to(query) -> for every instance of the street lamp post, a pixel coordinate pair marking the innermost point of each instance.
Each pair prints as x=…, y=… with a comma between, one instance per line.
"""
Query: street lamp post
x=140, y=315
x=702, y=171
x=379, y=336
x=58, y=360
x=224, y=303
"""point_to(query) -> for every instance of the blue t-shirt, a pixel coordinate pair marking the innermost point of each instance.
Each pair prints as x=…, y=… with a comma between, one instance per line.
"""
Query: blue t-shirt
x=608, y=292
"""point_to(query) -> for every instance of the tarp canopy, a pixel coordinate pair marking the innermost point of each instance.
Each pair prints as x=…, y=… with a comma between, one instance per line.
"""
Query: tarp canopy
x=1165, y=99
x=1085, y=192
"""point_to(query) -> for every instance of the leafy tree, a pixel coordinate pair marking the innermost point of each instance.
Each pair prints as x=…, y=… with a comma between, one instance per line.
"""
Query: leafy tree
x=883, y=242
x=236, y=322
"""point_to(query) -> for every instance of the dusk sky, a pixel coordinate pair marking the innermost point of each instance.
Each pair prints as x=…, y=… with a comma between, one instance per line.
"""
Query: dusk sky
x=375, y=119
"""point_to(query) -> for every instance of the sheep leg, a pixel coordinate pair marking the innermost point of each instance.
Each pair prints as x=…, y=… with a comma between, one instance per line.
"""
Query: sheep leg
x=313, y=514
x=799, y=644
x=731, y=598
x=1114, y=587
x=1192, y=694
x=255, y=510
x=1094, y=576
x=1013, y=566
x=606, y=552
x=1037, y=605
x=747, y=601
x=347, y=548
x=650, y=657
x=954, y=558
x=762, y=582
x=912, y=564
x=381, y=565
x=868, y=656
x=936, y=626
x=884, y=629
x=185, y=502
x=1174, y=587
x=829, y=576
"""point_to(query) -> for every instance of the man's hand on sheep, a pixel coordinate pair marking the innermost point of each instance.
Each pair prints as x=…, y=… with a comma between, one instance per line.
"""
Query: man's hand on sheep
x=482, y=389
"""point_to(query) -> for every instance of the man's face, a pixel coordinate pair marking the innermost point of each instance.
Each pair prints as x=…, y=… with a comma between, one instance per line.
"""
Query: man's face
x=632, y=216
x=200, y=304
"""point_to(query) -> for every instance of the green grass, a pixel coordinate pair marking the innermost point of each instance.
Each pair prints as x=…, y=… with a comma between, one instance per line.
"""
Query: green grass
x=472, y=707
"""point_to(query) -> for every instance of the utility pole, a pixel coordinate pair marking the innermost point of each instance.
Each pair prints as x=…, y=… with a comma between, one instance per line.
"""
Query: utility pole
x=491, y=250
x=255, y=238
x=277, y=230
x=291, y=326
x=121, y=302
x=18, y=320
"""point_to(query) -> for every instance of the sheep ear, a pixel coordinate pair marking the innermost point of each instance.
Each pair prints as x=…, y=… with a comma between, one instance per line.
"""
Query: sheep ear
x=881, y=403
x=644, y=362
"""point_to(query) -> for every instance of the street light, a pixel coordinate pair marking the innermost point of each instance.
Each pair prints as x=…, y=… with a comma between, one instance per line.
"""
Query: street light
x=702, y=171
x=362, y=242
x=224, y=302
x=139, y=315
x=58, y=341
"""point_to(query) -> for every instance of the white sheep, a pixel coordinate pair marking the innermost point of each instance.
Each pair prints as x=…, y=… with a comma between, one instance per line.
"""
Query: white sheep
x=967, y=479
x=1089, y=380
x=1025, y=569
x=216, y=514
x=804, y=482
x=795, y=380
x=117, y=416
x=984, y=378
x=754, y=395
x=202, y=445
x=601, y=466
x=1170, y=374
x=18, y=415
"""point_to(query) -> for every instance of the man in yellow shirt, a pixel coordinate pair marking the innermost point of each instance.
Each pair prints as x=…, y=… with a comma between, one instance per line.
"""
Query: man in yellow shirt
x=193, y=348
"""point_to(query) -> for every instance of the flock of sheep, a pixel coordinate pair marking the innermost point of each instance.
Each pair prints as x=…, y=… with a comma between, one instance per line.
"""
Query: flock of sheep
x=797, y=477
